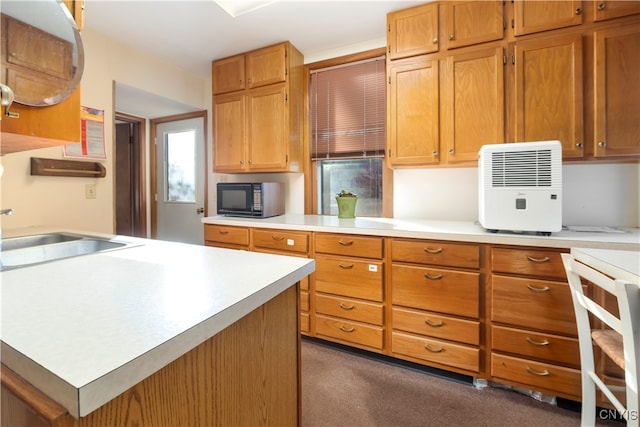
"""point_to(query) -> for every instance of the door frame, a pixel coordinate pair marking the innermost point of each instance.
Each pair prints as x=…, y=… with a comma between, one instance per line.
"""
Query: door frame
x=139, y=171
x=153, y=166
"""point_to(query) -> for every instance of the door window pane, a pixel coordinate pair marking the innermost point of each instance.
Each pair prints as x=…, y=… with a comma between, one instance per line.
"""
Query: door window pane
x=362, y=177
x=180, y=167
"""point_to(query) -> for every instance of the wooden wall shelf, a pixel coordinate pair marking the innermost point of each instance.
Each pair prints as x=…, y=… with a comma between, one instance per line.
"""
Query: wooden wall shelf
x=74, y=168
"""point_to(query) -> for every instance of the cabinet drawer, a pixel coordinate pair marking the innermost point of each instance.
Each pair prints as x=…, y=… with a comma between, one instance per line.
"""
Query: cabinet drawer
x=349, y=309
x=288, y=241
x=358, y=333
x=533, y=304
x=304, y=300
x=545, y=376
x=348, y=277
x=444, y=291
x=226, y=234
x=346, y=244
x=552, y=348
x=436, y=325
x=529, y=262
x=437, y=253
x=459, y=356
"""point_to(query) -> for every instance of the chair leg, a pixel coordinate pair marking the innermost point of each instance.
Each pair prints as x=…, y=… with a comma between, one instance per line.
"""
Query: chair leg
x=588, y=413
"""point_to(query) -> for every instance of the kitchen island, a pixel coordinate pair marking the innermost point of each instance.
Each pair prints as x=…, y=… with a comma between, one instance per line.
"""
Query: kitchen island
x=156, y=334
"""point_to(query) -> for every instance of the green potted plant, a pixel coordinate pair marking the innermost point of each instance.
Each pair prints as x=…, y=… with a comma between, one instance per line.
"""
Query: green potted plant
x=346, y=204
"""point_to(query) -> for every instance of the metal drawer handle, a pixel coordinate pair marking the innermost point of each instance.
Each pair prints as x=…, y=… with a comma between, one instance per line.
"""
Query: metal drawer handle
x=345, y=243
x=278, y=238
x=433, y=251
x=535, y=289
x=532, y=259
x=433, y=277
x=344, y=329
x=434, y=349
x=540, y=343
x=345, y=266
x=434, y=324
x=224, y=232
x=544, y=373
x=347, y=307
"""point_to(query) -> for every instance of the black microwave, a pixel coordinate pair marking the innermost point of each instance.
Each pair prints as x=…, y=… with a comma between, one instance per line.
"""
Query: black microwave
x=256, y=199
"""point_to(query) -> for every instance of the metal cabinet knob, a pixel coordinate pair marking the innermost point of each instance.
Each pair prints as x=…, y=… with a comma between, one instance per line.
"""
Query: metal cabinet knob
x=452, y=37
x=579, y=144
x=451, y=150
x=602, y=144
x=578, y=11
x=434, y=40
x=602, y=6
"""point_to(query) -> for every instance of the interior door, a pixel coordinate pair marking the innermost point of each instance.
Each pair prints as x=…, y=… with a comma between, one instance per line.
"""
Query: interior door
x=180, y=177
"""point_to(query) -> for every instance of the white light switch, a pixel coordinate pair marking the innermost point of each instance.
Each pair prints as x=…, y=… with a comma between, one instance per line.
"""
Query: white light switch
x=90, y=191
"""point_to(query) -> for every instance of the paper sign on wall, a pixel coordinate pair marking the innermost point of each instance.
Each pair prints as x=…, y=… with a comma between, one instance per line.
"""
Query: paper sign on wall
x=92, y=145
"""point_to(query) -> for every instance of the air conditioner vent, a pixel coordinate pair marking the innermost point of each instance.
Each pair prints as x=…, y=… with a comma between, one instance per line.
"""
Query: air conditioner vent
x=521, y=168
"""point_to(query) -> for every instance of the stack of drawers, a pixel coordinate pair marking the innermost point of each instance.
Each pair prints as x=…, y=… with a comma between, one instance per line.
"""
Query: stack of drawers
x=436, y=303
x=292, y=243
x=349, y=295
x=533, y=329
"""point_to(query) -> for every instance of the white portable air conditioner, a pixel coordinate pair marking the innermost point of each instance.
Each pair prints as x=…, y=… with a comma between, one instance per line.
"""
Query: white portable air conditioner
x=520, y=187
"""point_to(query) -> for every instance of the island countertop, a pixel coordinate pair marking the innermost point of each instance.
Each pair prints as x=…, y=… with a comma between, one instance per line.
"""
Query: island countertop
x=85, y=329
x=462, y=231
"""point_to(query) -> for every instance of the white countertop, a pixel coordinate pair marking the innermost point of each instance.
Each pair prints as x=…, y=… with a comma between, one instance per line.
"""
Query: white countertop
x=83, y=330
x=463, y=231
x=615, y=263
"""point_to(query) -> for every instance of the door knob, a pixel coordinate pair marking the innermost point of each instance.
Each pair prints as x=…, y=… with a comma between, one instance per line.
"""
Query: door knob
x=200, y=210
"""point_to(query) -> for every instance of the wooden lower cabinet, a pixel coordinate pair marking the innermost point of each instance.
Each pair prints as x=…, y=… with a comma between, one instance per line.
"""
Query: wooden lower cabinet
x=497, y=312
x=546, y=377
x=349, y=290
x=213, y=384
x=226, y=236
x=436, y=310
x=533, y=335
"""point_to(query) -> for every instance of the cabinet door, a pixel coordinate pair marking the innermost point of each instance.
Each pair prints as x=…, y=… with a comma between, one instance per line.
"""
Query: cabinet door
x=474, y=111
x=412, y=31
x=472, y=22
x=413, y=128
x=548, y=92
x=227, y=75
x=229, y=135
x=617, y=98
x=267, y=66
x=535, y=16
x=607, y=9
x=268, y=138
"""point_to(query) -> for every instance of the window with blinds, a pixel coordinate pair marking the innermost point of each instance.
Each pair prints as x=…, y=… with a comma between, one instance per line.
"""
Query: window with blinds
x=348, y=128
x=348, y=110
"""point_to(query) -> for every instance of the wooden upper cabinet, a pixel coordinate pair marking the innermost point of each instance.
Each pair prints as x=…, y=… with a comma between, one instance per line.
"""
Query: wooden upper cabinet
x=267, y=66
x=473, y=22
x=268, y=135
x=229, y=132
x=257, y=111
x=228, y=75
x=532, y=16
x=607, y=9
x=413, y=98
x=413, y=31
x=617, y=97
x=474, y=115
x=548, y=92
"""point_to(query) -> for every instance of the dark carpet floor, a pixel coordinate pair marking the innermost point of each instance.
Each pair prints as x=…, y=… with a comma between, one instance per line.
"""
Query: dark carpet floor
x=342, y=388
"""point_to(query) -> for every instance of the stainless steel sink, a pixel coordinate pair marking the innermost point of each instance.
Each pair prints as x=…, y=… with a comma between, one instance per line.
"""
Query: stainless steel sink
x=29, y=250
x=37, y=240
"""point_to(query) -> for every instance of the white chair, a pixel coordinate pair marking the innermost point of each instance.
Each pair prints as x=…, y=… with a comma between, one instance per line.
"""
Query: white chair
x=621, y=343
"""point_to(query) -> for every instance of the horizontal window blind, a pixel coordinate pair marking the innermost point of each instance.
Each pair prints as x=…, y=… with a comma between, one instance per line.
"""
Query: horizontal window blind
x=347, y=106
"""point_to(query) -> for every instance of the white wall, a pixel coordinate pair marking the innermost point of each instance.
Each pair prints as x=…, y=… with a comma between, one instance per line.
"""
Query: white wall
x=61, y=202
x=593, y=194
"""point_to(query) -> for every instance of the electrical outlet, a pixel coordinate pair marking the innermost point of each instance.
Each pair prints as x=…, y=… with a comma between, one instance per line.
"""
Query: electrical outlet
x=90, y=191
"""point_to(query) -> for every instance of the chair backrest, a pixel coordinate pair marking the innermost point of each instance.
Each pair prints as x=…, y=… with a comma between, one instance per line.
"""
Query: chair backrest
x=627, y=323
